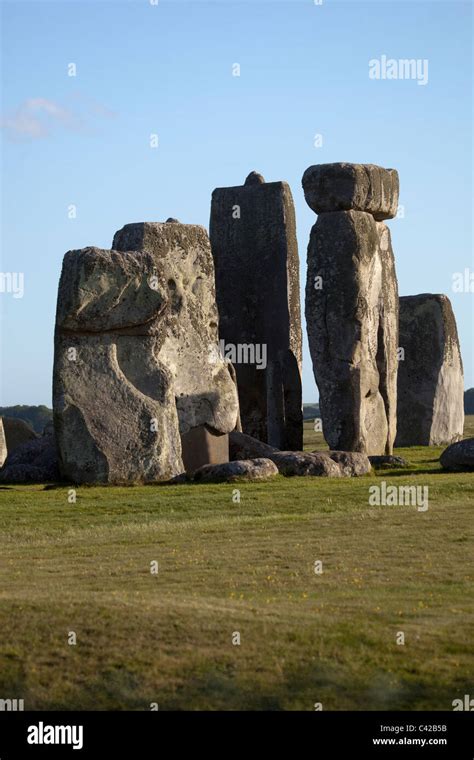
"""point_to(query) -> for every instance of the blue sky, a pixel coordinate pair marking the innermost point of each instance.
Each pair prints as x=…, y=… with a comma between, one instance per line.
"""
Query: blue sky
x=166, y=69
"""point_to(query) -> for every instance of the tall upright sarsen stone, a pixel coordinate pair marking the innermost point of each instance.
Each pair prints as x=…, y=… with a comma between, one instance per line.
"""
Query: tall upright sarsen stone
x=253, y=240
x=130, y=375
x=352, y=304
x=430, y=373
x=203, y=382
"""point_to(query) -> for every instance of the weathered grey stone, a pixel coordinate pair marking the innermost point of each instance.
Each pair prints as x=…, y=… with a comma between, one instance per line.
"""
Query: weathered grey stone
x=33, y=461
x=114, y=410
x=242, y=446
x=389, y=462
x=352, y=321
x=140, y=320
x=187, y=333
x=357, y=187
x=353, y=464
x=3, y=444
x=17, y=432
x=304, y=463
x=459, y=456
x=430, y=374
x=245, y=469
x=253, y=238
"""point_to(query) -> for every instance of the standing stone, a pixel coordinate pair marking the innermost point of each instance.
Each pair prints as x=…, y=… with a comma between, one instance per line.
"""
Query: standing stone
x=114, y=412
x=3, y=444
x=430, y=374
x=130, y=373
x=352, y=304
x=203, y=383
x=253, y=239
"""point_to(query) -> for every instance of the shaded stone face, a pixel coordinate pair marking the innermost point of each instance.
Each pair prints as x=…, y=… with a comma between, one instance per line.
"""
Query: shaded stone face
x=132, y=371
x=459, y=456
x=253, y=239
x=430, y=375
x=356, y=187
x=352, y=322
x=3, y=444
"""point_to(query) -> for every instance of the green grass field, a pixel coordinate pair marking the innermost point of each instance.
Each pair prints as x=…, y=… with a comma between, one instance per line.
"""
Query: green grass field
x=248, y=567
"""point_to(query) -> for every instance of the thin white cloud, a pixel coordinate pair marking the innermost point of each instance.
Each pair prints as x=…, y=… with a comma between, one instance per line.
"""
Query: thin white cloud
x=38, y=118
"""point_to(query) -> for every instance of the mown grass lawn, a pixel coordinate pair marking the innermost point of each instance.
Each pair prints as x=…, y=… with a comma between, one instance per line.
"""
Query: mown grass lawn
x=248, y=567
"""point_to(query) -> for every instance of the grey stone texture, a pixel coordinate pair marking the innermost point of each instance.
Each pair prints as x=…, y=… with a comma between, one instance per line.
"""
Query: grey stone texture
x=352, y=323
x=253, y=239
x=459, y=456
x=430, y=376
x=352, y=187
x=131, y=372
x=303, y=463
x=245, y=469
x=188, y=332
x=353, y=464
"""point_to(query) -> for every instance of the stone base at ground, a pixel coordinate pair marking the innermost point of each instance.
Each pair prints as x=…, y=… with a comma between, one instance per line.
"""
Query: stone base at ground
x=352, y=463
x=306, y=464
x=245, y=469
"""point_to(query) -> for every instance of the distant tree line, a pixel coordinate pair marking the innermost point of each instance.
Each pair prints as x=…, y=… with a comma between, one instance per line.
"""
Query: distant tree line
x=36, y=416
x=39, y=416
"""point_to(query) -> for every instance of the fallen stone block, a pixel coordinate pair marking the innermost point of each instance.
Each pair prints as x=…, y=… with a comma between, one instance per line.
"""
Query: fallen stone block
x=459, y=456
x=353, y=464
x=305, y=464
x=245, y=469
